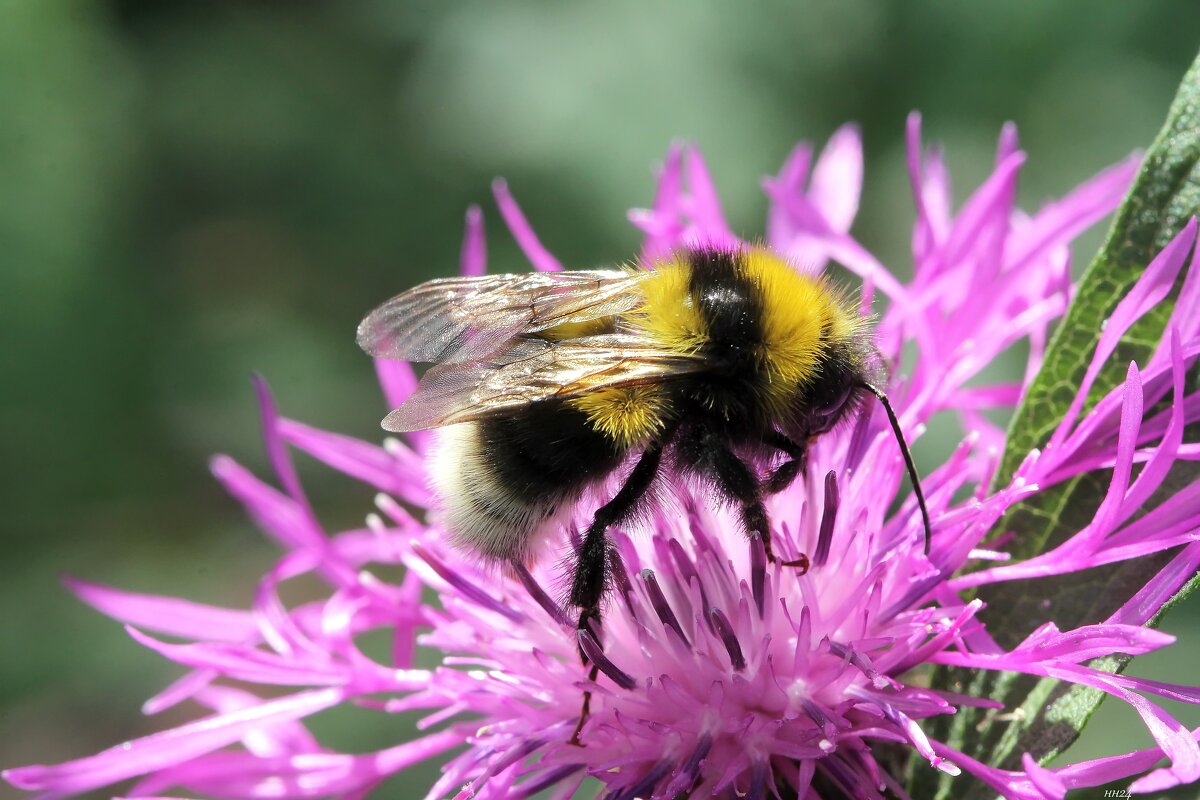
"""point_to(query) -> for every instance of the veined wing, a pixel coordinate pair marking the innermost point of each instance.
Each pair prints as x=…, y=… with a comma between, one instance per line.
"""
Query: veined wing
x=451, y=320
x=532, y=370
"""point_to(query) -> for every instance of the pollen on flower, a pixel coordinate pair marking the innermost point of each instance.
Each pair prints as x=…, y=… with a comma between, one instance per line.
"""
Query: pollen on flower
x=718, y=674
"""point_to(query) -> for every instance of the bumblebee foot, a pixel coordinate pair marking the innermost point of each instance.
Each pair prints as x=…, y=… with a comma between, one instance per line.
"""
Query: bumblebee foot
x=767, y=549
x=802, y=563
x=585, y=710
x=586, y=617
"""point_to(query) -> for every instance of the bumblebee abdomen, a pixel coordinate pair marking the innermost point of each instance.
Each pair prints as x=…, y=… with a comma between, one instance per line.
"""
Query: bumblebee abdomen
x=547, y=445
x=503, y=482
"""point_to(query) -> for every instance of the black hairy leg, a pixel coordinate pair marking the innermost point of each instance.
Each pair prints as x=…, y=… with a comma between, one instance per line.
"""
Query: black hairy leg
x=786, y=472
x=709, y=454
x=591, y=565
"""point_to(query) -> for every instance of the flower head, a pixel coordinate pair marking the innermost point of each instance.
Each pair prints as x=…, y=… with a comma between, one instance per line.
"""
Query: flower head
x=719, y=674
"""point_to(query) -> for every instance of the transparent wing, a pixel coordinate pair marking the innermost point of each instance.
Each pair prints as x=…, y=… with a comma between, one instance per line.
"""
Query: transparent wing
x=463, y=319
x=532, y=370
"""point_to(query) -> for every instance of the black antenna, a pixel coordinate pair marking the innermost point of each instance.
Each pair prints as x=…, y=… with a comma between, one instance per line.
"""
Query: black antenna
x=908, y=462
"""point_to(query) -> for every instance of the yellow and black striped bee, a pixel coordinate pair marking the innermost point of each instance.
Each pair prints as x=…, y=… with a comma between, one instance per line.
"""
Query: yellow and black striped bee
x=712, y=362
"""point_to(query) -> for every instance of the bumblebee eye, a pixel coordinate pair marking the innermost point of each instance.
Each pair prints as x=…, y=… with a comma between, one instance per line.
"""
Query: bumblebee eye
x=834, y=406
x=825, y=411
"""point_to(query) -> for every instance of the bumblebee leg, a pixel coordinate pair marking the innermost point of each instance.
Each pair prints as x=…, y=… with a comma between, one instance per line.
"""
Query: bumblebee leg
x=587, y=707
x=591, y=568
x=738, y=482
x=786, y=472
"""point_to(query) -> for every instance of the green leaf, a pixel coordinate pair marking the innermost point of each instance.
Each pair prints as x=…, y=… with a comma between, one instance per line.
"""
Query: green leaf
x=1043, y=716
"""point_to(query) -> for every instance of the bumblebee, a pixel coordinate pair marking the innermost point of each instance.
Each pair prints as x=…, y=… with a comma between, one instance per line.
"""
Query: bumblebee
x=713, y=362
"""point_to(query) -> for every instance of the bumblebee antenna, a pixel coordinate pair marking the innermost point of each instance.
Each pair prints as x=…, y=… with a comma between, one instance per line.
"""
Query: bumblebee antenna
x=908, y=461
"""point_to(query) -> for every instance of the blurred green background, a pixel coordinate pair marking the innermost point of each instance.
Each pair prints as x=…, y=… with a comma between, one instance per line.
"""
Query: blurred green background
x=191, y=191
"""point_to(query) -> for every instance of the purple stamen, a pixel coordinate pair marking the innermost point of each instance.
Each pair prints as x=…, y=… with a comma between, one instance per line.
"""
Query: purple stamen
x=859, y=438
x=910, y=597
x=661, y=606
x=729, y=638
x=758, y=571
x=681, y=785
x=824, y=723
x=539, y=595
x=828, y=518
x=758, y=781
x=860, y=661
x=503, y=762
x=844, y=777
x=592, y=650
x=645, y=787
x=688, y=572
x=531, y=787
x=468, y=590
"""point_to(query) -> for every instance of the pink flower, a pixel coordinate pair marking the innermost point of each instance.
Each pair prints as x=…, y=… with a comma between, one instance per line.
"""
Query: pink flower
x=720, y=675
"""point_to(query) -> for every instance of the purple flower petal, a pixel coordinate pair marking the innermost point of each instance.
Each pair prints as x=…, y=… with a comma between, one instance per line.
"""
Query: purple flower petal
x=473, y=259
x=662, y=224
x=397, y=380
x=832, y=197
x=527, y=240
x=1007, y=143
x=1060, y=222
x=1149, y=290
x=310, y=775
x=1150, y=599
x=837, y=178
x=277, y=451
x=177, y=692
x=280, y=739
x=791, y=180
x=399, y=471
x=170, y=615
x=1045, y=781
x=705, y=206
x=166, y=749
x=275, y=512
x=931, y=193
